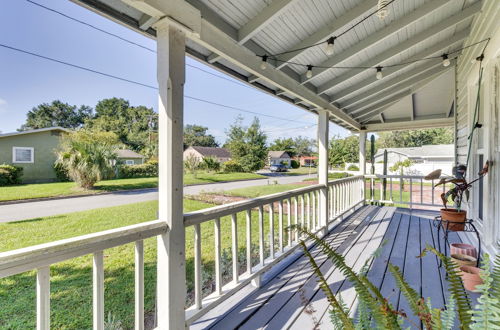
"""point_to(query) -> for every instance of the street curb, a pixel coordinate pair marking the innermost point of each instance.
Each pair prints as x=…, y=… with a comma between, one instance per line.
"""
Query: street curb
x=43, y=199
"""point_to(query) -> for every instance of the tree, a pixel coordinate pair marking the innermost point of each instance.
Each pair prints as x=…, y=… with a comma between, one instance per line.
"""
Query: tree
x=210, y=164
x=247, y=145
x=88, y=156
x=56, y=113
x=196, y=135
x=304, y=146
x=343, y=150
x=283, y=144
x=134, y=126
x=415, y=138
x=192, y=164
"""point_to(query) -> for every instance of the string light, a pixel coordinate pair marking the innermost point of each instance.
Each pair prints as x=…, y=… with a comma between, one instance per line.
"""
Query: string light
x=382, y=11
x=446, y=60
x=263, y=64
x=379, y=74
x=309, y=73
x=329, y=45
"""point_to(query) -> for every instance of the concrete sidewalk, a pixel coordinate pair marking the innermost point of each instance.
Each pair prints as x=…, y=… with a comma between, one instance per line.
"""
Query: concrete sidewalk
x=31, y=210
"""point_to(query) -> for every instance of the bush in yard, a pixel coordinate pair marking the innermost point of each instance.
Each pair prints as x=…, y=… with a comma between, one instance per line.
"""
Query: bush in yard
x=146, y=170
x=210, y=164
x=232, y=166
x=61, y=172
x=88, y=156
x=353, y=167
x=338, y=175
x=295, y=164
x=10, y=174
x=192, y=164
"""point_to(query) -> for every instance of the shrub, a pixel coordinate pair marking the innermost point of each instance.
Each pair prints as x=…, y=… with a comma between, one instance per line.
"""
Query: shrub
x=295, y=164
x=61, y=172
x=10, y=174
x=210, y=164
x=149, y=169
x=353, y=167
x=339, y=175
x=232, y=166
x=192, y=164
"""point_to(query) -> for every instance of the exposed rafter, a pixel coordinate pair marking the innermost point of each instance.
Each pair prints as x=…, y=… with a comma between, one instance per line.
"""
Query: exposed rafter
x=448, y=23
x=329, y=30
x=382, y=105
x=439, y=47
x=146, y=22
x=377, y=37
x=382, y=118
x=413, y=108
x=404, y=123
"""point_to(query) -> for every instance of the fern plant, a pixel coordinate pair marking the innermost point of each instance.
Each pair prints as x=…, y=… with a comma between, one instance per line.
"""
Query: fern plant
x=375, y=311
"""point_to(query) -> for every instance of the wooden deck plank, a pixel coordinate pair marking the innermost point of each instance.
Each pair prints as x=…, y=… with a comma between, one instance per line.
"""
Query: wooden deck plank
x=289, y=276
x=355, y=257
x=285, y=306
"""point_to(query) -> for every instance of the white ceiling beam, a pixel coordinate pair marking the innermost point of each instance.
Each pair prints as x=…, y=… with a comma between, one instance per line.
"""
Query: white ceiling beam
x=369, y=112
x=324, y=33
x=266, y=16
x=439, y=47
x=424, y=76
x=382, y=118
x=146, y=21
x=391, y=125
x=252, y=79
x=446, y=24
x=377, y=37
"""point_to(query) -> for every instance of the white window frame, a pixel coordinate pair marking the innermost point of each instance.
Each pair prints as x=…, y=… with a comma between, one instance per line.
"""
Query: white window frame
x=129, y=162
x=31, y=161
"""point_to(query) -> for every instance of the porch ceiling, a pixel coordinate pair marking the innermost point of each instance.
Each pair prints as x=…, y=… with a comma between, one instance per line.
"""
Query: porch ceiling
x=228, y=34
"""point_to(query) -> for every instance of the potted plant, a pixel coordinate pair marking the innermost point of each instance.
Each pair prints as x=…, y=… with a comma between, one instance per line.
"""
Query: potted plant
x=471, y=277
x=455, y=216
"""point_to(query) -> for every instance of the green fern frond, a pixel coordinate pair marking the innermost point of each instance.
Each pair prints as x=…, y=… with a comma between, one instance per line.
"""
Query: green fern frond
x=417, y=303
x=485, y=314
x=437, y=323
x=456, y=288
x=363, y=320
x=380, y=309
x=342, y=318
x=448, y=315
x=495, y=285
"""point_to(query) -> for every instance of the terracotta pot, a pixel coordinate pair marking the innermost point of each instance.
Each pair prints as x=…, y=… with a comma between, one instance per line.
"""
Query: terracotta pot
x=455, y=219
x=470, y=277
x=462, y=248
x=463, y=260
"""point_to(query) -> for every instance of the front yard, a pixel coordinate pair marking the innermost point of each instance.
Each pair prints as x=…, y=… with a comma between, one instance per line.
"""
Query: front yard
x=60, y=189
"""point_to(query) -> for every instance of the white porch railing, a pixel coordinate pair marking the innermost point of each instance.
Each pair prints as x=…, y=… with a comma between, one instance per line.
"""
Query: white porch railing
x=300, y=206
x=411, y=190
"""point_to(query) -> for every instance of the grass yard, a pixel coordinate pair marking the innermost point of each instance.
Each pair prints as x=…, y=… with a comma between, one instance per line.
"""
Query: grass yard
x=301, y=170
x=257, y=191
x=59, y=189
x=71, y=281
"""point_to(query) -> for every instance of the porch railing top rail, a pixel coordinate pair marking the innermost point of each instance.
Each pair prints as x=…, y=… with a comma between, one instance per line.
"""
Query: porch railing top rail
x=29, y=258
x=197, y=217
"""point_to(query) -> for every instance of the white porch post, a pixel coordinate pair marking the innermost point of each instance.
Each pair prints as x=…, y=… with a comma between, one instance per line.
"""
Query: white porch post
x=323, y=125
x=171, y=282
x=362, y=152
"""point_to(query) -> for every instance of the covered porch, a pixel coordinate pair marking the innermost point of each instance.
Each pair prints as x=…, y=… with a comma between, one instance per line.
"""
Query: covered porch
x=385, y=75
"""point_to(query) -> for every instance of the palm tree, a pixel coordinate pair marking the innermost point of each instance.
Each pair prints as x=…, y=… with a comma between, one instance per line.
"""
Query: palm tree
x=88, y=156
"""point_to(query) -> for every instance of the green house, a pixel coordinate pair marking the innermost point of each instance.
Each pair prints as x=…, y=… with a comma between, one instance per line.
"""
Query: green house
x=32, y=150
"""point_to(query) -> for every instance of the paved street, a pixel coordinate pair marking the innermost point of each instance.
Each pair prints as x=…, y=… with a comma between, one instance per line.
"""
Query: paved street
x=24, y=211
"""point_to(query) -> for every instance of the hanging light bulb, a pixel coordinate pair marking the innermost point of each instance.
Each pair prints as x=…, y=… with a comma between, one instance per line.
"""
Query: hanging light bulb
x=329, y=45
x=309, y=72
x=446, y=60
x=379, y=74
x=383, y=10
x=263, y=64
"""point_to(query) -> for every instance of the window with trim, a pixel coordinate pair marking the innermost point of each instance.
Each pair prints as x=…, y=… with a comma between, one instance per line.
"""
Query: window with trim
x=23, y=155
x=129, y=162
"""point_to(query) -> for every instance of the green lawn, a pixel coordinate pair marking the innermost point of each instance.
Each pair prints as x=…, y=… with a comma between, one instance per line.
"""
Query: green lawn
x=71, y=281
x=301, y=171
x=56, y=189
x=258, y=191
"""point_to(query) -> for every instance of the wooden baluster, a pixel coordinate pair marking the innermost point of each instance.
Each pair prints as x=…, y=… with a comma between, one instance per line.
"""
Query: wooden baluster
x=421, y=191
x=43, y=298
x=139, y=285
x=234, y=235
x=198, y=296
x=289, y=219
x=280, y=226
x=302, y=210
x=218, y=269
x=271, y=230
x=261, y=235
x=308, y=211
x=98, y=290
x=249, y=241
x=314, y=211
x=296, y=215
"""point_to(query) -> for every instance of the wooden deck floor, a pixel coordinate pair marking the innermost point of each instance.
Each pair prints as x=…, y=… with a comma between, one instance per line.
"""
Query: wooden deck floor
x=293, y=300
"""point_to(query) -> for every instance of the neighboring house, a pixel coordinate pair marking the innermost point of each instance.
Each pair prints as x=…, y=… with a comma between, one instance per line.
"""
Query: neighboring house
x=306, y=160
x=279, y=157
x=221, y=154
x=129, y=157
x=425, y=158
x=34, y=151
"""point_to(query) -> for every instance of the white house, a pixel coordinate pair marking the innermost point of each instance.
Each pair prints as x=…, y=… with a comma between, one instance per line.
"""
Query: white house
x=279, y=157
x=221, y=154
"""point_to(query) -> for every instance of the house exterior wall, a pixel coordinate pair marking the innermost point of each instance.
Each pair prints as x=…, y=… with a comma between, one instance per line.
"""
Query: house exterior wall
x=485, y=143
x=44, y=145
x=277, y=161
x=137, y=161
x=191, y=152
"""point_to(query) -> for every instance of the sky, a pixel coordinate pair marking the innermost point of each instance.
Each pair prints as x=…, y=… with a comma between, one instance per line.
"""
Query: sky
x=26, y=81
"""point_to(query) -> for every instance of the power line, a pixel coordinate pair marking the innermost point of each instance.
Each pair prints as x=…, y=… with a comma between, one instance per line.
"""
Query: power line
x=141, y=84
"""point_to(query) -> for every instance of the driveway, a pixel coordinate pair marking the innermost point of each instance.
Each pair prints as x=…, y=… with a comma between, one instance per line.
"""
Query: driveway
x=31, y=210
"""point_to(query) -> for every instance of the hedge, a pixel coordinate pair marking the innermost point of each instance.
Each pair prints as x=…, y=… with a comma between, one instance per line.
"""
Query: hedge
x=232, y=166
x=10, y=175
x=149, y=169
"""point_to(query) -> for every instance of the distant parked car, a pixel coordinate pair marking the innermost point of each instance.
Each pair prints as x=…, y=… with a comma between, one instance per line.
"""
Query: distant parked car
x=278, y=168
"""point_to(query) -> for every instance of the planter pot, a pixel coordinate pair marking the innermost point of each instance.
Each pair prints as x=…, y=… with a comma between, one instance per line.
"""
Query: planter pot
x=463, y=260
x=470, y=277
x=462, y=248
x=455, y=219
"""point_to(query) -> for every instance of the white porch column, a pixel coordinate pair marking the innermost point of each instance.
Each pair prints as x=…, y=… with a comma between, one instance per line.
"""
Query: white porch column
x=323, y=125
x=171, y=282
x=362, y=152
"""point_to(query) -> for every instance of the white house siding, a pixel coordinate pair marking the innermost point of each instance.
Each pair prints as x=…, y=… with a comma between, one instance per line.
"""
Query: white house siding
x=485, y=25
